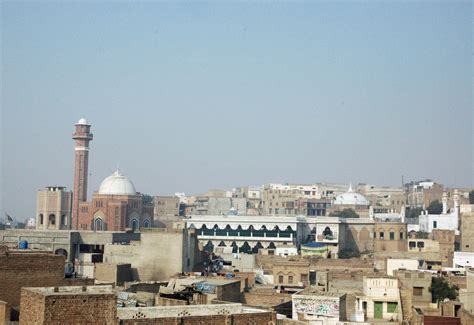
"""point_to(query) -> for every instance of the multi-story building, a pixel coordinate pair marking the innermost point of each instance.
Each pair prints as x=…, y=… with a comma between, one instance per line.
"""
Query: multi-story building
x=417, y=285
x=390, y=236
x=381, y=298
x=384, y=199
x=53, y=208
x=467, y=232
x=421, y=194
x=253, y=195
x=166, y=210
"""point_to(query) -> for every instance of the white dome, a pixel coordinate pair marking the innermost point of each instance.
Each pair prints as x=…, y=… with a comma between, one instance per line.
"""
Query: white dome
x=351, y=198
x=82, y=121
x=117, y=184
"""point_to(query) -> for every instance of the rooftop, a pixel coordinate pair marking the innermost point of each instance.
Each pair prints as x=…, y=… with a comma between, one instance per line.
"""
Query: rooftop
x=189, y=310
x=72, y=290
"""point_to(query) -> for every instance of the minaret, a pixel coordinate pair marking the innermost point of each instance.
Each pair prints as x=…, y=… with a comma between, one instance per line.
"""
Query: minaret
x=445, y=203
x=82, y=136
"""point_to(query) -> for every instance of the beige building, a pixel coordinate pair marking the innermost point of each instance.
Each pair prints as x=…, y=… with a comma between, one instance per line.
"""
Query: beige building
x=291, y=273
x=416, y=285
x=53, y=208
x=384, y=199
x=446, y=240
x=390, y=236
x=158, y=255
x=166, y=211
x=467, y=232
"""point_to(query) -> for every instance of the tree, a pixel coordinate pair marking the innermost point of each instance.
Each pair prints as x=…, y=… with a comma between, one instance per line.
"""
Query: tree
x=435, y=207
x=471, y=197
x=348, y=253
x=421, y=234
x=441, y=289
x=346, y=213
x=413, y=212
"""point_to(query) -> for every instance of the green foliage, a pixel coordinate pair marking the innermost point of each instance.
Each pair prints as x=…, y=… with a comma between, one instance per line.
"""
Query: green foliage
x=441, y=289
x=435, y=207
x=471, y=197
x=421, y=234
x=413, y=212
x=348, y=253
x=147, y=199
x=346, y=213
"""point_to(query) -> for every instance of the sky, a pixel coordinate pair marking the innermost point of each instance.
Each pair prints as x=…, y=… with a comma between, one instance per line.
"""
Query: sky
x=187, y=96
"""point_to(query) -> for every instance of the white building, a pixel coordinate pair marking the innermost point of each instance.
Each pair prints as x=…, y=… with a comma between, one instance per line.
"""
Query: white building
x=445, y=220
x=381, y=298
x=463, y=259
x=321, y=308
x=401, y=264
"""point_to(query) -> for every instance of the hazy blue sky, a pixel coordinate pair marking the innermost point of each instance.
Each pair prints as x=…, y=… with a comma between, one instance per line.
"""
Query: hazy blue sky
x=187, y=97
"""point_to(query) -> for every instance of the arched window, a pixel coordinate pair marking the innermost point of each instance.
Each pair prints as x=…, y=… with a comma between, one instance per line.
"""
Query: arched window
x=41, y=219
x=327, y=233
x=134, y=224
x=98, y=224
x=146, y=223
x=52, y=219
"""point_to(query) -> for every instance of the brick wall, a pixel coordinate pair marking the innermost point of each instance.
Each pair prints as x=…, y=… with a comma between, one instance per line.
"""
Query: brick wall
x=27, y=269
x=237, y=319
x=38, y=308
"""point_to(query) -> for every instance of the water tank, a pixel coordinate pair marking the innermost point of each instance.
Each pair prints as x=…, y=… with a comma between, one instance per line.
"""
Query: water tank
x=23, y=244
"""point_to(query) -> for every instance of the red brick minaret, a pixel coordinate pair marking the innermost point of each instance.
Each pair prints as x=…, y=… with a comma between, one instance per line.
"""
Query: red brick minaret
x=82, y=136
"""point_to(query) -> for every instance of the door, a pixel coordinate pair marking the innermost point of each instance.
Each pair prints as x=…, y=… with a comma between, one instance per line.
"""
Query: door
x=378, y=309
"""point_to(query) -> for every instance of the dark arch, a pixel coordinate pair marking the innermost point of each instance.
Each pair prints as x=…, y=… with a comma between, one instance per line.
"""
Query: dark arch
x=235, y=248
x=327, y=233
x=61, y=251
x=52, y=219
x=256, y=248
x=272, y=245
x=245, y=248
x=209, y=247
x=222, y=244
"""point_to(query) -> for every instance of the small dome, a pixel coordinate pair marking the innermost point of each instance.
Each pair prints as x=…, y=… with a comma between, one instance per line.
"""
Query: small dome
x=82, y=121
x=117, y=184
x=351, y=198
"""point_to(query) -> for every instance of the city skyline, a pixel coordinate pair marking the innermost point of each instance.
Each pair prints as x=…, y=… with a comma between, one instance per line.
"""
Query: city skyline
x=187, y=98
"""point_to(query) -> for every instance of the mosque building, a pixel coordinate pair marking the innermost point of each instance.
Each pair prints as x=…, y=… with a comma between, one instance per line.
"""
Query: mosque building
x=115, y=206
x=351, y=200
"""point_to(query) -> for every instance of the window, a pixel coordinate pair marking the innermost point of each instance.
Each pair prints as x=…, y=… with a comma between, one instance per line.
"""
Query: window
x=381, y=235
x=63, y=220
x=391, y=307
x=304, y=278
x=98, y=224
x=392, y=235
x=401, y=235
x=418, y=291
x=421, y=275
x=412, y=244
x=41, y=219
x=435, y=224
x=52, y=219
x=280, y=279
x=407, y=275
x=290, y=279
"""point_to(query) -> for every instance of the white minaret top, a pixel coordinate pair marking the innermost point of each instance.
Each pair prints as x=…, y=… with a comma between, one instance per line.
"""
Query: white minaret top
x=445, y=203
x=82, y=121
